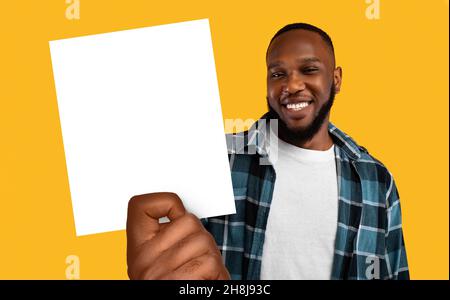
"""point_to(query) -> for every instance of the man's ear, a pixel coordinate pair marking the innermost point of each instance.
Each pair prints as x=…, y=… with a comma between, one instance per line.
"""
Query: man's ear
x=337, y=77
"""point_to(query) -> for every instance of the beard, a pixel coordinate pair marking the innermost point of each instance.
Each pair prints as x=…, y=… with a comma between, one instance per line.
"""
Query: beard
x=303, y=134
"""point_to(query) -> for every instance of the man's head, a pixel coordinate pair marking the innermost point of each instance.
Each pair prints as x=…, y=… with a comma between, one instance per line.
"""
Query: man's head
x=301, y=80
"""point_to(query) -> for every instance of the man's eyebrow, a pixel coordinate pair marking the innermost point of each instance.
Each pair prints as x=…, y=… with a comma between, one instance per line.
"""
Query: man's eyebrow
x=274, y=64
x=309, y=59
x=301, y=60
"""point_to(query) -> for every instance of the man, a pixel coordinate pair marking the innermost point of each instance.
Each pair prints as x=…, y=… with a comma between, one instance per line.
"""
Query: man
x=320, y=207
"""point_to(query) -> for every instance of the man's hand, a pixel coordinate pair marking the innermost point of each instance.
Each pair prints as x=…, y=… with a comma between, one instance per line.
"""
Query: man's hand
x=181, y=249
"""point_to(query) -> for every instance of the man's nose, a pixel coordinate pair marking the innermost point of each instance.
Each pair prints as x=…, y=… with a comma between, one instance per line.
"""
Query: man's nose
x=294, y=84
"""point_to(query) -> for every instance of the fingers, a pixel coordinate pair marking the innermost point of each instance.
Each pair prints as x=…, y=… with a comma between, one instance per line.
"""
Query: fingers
x=184, y=250
x=144, y=212
x=178, y=230
x=205, y=267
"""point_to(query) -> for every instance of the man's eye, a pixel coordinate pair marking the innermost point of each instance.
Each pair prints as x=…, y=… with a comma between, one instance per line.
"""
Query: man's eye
x=310, y=70
x=276, y=75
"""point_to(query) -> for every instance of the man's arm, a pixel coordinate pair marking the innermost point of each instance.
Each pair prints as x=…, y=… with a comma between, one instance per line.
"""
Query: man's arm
x=396, y=262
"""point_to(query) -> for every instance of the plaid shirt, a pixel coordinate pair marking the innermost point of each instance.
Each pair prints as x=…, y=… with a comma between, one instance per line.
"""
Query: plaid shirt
x=369, y=239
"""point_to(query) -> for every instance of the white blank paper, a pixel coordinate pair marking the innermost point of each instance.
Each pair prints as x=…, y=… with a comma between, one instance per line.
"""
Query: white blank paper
x=140, y=112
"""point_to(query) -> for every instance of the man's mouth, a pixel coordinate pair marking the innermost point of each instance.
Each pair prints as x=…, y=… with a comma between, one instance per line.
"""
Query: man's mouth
x=297, y=106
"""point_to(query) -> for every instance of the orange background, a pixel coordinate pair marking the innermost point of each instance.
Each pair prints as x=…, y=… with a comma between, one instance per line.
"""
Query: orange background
x=394, y=101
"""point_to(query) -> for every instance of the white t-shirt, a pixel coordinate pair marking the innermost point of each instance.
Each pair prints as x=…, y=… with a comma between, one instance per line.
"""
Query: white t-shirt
x=302, y=222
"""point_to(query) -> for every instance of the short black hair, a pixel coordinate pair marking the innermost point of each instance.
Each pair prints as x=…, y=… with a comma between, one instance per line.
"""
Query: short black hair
x=303, y=26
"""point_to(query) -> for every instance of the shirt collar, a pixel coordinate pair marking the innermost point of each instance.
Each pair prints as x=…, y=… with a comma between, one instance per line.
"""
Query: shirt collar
x=256, y=139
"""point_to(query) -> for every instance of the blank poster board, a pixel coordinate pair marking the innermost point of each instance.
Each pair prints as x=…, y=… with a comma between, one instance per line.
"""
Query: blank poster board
x=140, y=112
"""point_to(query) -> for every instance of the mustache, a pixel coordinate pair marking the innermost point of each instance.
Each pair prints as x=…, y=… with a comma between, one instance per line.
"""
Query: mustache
x=286, y=97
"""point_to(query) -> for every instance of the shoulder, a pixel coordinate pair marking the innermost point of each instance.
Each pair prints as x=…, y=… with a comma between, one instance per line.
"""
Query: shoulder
x=367, y=160
x=236, y=141
x=376, y=176
x=355, y=152
x=372, y=172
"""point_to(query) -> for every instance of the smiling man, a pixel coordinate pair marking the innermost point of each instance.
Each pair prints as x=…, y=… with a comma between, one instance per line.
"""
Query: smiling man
x=321, y=208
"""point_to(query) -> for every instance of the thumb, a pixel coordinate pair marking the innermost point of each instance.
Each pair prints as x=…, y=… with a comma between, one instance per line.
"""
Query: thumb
x=144, y=212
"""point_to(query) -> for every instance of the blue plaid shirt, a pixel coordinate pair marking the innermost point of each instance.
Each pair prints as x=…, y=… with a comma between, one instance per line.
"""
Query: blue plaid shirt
x=369, y=240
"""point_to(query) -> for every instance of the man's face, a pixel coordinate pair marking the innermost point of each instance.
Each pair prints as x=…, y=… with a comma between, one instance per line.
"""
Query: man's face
x=301, y=80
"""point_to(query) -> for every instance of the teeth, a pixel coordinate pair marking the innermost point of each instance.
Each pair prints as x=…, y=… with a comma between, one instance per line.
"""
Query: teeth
x=297, y=106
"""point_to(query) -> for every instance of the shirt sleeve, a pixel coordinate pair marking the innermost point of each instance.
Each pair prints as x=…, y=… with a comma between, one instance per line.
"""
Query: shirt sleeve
x=395, y=256
x=205, y=223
